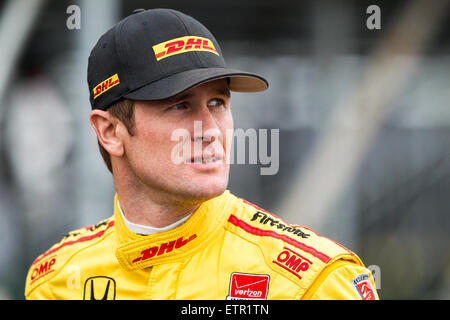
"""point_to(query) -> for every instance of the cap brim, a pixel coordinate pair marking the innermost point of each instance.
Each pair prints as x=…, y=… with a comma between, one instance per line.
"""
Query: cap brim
x=240, y=81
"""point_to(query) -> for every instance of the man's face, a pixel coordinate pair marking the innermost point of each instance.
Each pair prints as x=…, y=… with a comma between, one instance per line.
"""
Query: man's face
x=180, y=148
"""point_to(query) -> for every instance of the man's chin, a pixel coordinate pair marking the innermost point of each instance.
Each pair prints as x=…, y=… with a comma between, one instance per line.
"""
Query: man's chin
x=206, y=189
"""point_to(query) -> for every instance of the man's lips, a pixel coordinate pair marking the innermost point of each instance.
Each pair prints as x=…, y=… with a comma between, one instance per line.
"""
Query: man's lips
x=205, y=158
x=205, y=164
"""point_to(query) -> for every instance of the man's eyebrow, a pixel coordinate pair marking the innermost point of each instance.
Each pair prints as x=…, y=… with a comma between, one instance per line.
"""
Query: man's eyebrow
x=224, y=92
x=187, y=95
x=181, y=96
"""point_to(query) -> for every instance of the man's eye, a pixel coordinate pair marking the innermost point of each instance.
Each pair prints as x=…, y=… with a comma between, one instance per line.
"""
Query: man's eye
x=179, y=106
x=216, y=102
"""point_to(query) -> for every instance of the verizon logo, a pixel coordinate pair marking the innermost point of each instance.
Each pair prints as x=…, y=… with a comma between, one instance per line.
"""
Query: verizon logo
x=248, y=286
x=249, y=293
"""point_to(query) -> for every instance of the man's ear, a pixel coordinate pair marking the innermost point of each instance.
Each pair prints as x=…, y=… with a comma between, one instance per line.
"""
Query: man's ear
x=106, y=127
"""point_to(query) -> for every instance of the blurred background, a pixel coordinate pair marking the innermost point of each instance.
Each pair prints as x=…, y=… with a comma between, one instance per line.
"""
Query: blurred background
x=362, y=107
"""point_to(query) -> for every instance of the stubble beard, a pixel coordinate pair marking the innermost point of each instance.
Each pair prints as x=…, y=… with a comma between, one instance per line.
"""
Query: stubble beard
x=182, y=192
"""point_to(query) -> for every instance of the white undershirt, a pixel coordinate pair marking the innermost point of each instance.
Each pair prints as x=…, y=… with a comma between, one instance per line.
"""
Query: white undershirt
x=147, y=230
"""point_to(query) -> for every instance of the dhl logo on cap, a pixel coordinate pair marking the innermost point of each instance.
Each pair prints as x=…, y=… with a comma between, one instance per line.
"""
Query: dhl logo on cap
x=104, y=86
x=182, y=45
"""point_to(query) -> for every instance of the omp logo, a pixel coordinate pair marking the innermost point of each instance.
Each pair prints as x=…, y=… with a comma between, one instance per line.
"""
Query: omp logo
x=43, y=268
x=106, y=85
x=182, y=45
x=164, y=248
x=99, y=288
x=292, y=261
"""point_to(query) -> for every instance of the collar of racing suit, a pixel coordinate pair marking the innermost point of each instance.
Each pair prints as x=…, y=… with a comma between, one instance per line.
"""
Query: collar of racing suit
x=136, y=251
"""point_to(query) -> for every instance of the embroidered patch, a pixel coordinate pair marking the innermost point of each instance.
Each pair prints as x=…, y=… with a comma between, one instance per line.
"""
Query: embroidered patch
x=363, y=286
x=245, y=286
x=181, y=45
x=99, y=288
x=43, y=268
x=163, y=248
x=104, y=86
x=293, y=262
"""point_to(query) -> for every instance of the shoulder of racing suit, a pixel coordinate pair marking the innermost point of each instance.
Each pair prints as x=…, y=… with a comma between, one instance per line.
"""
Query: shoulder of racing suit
x=294, y=252
x=255, y=241
x=50, y=263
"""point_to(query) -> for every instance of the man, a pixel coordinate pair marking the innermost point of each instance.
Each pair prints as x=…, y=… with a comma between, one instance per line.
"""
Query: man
x=176, y=232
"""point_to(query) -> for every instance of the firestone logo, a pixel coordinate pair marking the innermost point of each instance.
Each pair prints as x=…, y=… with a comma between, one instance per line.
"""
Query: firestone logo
x=264, y=219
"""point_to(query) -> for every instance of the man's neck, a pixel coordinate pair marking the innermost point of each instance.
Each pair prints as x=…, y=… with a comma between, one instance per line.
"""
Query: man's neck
x=149, y=205
x=147, y=230
x=152, y=208
x=148, y=213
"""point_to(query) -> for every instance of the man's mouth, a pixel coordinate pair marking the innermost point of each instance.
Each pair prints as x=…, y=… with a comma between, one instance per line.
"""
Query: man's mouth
x=208, y=160
x=204, y=159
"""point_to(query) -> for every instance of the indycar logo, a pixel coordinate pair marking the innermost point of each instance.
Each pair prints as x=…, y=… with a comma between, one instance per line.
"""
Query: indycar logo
x=106, y=85
x=363, y=286
x=245, y=286
x=99, y=288
x=182, y=45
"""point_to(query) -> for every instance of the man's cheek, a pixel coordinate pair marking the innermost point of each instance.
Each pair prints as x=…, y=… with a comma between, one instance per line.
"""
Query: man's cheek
x=228, y=135
x=227, y=144
x=180, y=148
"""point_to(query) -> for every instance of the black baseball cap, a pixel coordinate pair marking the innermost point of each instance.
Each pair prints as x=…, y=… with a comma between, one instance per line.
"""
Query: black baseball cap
x=156, y=54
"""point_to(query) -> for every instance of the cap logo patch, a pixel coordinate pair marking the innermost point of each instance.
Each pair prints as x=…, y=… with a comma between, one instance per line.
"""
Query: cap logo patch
x=104, y=86
x=182, y=45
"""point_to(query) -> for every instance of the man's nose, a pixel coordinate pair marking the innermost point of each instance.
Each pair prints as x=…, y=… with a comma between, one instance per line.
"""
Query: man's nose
x=205, y=125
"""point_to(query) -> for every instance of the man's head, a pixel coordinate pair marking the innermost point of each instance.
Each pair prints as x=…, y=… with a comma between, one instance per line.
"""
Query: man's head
x=177, y=145
x=160, y=94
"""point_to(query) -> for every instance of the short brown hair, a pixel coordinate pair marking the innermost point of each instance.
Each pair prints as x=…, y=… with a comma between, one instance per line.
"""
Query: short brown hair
x=124, y=111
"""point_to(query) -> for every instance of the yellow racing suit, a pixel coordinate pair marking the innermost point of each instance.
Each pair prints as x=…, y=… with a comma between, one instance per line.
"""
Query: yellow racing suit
x=228, y=249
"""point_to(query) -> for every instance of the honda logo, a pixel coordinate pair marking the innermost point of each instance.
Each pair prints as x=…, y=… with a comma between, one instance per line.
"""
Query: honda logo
x=99, y=288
